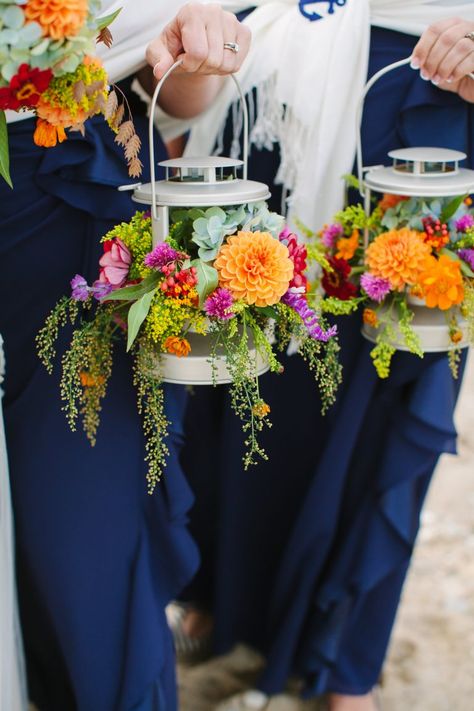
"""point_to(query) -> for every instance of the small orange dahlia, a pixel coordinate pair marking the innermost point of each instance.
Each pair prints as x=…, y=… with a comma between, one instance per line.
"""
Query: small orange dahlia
x=58, y=18
x=441, y=283
x=255, y=267
x=46, y=135
x=347, y=246
x=370, y=318
x=177, y=346
x=398, y=256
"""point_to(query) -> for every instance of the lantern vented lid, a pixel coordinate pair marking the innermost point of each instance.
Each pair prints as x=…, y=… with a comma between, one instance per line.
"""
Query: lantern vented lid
x=202, y=182
x=422, y=172
x=432, y=162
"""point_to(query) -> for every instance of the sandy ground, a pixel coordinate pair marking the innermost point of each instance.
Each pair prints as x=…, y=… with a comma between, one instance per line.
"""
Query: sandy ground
x=431, y=660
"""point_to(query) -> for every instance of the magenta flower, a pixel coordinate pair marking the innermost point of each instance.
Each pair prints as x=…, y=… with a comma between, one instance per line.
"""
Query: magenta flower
x=298, y=303
x=375, y=287
x=464, y=223
x=331, y=233
x=161, y=255
x=219, y=304
x=80, y=290
x=115, y=263
x=468, y=256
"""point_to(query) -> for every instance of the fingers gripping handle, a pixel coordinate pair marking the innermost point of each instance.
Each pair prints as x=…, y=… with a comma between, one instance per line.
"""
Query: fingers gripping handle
x=151, y=130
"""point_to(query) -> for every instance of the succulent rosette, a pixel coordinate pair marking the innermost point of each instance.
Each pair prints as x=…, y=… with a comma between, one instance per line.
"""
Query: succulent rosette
x=407, y=253
x=235, y=277
x=48, y=66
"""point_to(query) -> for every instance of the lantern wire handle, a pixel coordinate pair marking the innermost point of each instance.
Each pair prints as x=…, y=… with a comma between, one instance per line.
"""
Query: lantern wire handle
x=360, y=109
x=151, y=130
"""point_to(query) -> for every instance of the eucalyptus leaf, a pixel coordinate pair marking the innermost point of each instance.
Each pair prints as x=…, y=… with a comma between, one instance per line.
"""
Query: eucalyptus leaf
x=104, y=22
x=4, y=155
x=136, y=316
x=466, y=269
x=451, y=208
x=207, y=277
x=136, y=291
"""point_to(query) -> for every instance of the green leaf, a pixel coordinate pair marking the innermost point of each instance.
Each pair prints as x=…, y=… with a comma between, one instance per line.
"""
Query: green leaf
x=104, y=22
x=268, y=311
x=208, y=279
x=136, y=291
x=137, y=314
x=451, y=208
x=4, y=156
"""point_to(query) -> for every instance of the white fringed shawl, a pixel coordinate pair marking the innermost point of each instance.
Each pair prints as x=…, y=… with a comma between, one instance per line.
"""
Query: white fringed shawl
x=317, y=71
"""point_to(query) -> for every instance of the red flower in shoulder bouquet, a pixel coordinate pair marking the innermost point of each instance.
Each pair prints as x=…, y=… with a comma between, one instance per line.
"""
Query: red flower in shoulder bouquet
x=25, y=88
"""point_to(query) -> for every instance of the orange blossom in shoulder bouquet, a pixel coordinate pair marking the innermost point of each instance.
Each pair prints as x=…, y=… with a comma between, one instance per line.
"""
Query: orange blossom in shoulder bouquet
x=48, y=67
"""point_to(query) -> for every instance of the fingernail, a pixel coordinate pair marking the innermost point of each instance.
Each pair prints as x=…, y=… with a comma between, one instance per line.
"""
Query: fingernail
x=414, y=64
x=450, y=80
x=425, y=77
x=435, y=83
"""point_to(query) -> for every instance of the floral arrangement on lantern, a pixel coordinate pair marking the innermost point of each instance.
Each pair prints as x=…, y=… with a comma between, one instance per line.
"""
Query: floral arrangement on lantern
x=408, y=252
x=47, y=65
x=234, y=275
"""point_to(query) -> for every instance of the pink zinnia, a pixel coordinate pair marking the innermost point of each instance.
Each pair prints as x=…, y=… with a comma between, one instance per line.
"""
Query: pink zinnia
x=115, y=263
x=298, y=255
x=219, y=304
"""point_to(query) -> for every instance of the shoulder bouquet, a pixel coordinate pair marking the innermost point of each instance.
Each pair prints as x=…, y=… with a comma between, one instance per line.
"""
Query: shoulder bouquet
x=408, y=253
x=47, y=66
x=233, y=276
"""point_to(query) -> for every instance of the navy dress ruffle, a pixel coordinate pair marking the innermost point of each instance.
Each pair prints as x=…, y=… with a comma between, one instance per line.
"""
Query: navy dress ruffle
x=305, y=556
x=98, y=558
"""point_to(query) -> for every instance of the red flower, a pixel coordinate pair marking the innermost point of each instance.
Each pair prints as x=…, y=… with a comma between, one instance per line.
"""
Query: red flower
x=298, y=255
x=25, y=88
x=336, y=283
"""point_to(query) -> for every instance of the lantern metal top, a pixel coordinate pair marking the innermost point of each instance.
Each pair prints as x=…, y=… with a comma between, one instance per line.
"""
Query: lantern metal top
x=401, y=182
x=208, y=170
x=426, y=162
x=201, y=194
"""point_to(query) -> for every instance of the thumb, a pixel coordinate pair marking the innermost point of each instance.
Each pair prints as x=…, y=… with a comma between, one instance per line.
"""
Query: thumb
x=159, y=57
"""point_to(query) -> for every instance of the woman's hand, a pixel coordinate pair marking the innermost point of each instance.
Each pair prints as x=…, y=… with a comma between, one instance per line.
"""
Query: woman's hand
x=445, y=56
x=197, y=36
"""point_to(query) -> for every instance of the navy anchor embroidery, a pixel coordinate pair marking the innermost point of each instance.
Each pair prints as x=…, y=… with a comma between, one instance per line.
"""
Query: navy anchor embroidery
x=313, y=15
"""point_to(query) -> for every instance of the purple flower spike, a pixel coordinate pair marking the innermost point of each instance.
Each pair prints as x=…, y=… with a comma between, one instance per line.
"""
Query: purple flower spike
x=298, y=303
x=101, y=289
x=464, y=223
x=330, y=234
x=219, y=304
x=162, y=255
x=80, y=290
x=468, y=256
x=375, y=287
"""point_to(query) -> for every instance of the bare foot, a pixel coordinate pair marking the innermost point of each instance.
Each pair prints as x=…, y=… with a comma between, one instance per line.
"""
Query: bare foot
x=341, y=702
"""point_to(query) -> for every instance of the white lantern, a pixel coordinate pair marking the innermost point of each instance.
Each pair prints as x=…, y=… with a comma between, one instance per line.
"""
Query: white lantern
x=425, y=173
x=197, y=182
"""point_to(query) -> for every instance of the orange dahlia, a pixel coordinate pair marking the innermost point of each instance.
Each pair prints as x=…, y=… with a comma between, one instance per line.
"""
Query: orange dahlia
x=398, y=256
x=255, y=267
x=347, y=246
x=58, y=18
x=441, y=283
x=177, y=346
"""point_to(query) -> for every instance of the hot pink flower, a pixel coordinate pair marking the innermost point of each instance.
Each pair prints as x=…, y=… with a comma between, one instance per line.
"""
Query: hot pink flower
x=115, y=263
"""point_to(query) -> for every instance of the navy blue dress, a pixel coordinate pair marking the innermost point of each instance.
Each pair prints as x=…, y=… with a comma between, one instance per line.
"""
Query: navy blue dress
x=305, y=556
x=98, y=558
